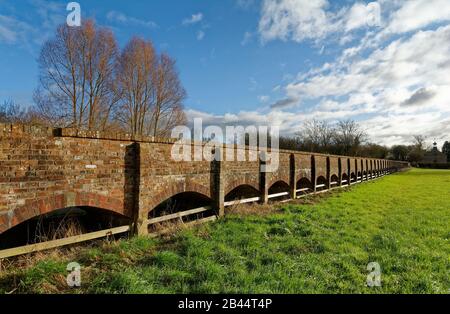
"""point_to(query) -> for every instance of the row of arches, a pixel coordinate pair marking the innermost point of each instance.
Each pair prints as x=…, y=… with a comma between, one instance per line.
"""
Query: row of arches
x=244, y=190
x=96, y=218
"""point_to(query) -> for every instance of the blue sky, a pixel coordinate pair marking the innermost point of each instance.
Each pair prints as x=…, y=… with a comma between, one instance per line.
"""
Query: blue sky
x=271, y=61
x=221, y=72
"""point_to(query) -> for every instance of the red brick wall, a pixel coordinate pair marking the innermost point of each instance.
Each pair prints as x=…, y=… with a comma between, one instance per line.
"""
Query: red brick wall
x=40, y=173
x=44, y=169
x=334, y=166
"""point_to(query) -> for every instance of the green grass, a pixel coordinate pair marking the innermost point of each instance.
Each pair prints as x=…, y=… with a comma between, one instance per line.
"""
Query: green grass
x=401, y=221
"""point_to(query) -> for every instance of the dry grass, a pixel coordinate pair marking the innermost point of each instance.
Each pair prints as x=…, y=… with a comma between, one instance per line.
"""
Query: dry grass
x=251, y=209
x=68, y=226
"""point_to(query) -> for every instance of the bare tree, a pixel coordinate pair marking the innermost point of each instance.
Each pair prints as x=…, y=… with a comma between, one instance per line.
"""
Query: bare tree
x=12, y=112
x=76, y=76
x=149, y=91
x=316, y=136
x=169, y=94
x=135, y=78
x=419, y=142
x=348, y=137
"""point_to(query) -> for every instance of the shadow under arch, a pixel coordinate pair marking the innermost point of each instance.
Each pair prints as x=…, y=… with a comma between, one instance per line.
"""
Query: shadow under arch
x=175, y=188
x=344, y=179
x=180, y=202
x=322, y=183
x=334, y=180
x=240, y=192
x=352, y=177
x=46, y=205
x=61, y=223
x=304, y=186
x=279, y=187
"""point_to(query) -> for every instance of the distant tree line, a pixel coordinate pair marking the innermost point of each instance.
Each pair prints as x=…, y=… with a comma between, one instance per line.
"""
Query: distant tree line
x=345, y=137
x=348, y=138
x=87, y=82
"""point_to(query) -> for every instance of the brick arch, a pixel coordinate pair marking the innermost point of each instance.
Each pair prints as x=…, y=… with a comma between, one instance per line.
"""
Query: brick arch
x=304, y=182
x=334, y=174
x=230, y=186
x=334, y=178
x=52, y=203
x=321, y=178
x=177, y=188
x=276, y=180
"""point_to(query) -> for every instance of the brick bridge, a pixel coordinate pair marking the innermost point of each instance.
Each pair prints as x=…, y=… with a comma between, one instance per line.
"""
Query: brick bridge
x=45, y=169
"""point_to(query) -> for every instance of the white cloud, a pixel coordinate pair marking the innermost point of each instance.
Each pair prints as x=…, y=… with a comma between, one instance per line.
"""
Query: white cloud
x=195, y=18
x=245, y=4
x=301, y=20
x=361, y=15
x=423, y=58
x=122, y=18
x=395, y=92
x=399, y=87
x=247, y=37
x=415, y=14
x=395, y=87
x=294, y=19
x=200, y=35
x=287, y=121
x=263, y=98
x=285, y=103
x=8, y=29
x=19, y=29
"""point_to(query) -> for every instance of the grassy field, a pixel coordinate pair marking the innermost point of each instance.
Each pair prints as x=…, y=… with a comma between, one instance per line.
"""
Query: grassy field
x=319, y=245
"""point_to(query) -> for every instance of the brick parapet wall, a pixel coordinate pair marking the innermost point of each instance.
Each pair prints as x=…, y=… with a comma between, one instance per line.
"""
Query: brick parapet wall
x=43, y=169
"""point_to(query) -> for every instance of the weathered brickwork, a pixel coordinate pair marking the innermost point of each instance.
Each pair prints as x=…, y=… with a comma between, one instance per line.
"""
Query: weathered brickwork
x=45, y=169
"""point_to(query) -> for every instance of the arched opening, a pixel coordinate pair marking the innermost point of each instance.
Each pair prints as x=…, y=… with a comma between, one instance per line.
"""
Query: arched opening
x=304, y=186
x=344, y=180
x=364, y=175
x=359, y=178
x=61, y=223
x=352, y=177
x=180, y=203
x=242, y=192
x=322, y=184
x=334, y=181
x=279, y=191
